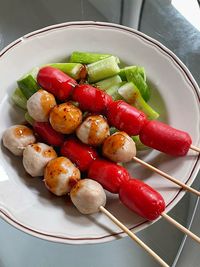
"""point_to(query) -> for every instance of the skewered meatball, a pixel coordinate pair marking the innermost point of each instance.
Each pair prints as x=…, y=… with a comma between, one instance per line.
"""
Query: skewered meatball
x=93, y=131
x=17, y=137
x=40, y=104
x=88, y=196
x=119, y=147
x=60, y=176
x=65, y=118
x=36, y=157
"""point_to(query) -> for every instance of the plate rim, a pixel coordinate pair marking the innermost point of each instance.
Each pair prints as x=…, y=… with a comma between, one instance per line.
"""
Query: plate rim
x=187, y=74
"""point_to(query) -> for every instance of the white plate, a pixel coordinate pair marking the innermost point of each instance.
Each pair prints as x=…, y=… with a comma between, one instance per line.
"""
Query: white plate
x=24, y=202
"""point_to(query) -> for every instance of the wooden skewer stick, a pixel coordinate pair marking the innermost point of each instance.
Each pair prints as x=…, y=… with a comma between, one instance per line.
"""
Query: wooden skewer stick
x=195, y=148
x=167, y=176
x=133, y=236
x=181, y=227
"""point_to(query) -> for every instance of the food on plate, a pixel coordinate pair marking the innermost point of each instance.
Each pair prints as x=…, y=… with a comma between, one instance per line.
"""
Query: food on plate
x=40, y=104
x=101, y=89
x=17, y=137
x=119, y=147
x=88, y=196
x=36, y=157
x=108, y=174
x=93, y=130
x=65, y=118
x=164, y=138
x=56, y=82
x=80, y=154
x=60, y=176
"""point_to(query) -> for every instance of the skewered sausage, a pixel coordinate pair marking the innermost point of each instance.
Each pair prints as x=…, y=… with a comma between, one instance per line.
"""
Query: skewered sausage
x=91, y=99
x=125, y=117
x=142, y=199
x=108, y=174
x=48, y=134
x=56, y=82
x=164, y=138
x=80, y=154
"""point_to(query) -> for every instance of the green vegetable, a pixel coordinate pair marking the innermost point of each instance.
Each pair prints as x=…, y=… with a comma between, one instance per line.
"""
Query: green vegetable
x=29, y=119
x=28, y=84
x=19, y=99
x=113, y=91
x=141, y=70
x=134, y=75
x=105, y=84
x=132, y=95
x=139, y=145
x=87, y=58
x=113, y=130
x=102, y=69
x=72, y=69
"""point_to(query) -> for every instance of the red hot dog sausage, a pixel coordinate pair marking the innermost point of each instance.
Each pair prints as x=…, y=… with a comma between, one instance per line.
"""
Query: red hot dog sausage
x=80, y=154
x=91, y=99
x=48, y=134
x=142, y=199
x=125, y=117
x=56, y=82
x=166, y=139
x=108, y=174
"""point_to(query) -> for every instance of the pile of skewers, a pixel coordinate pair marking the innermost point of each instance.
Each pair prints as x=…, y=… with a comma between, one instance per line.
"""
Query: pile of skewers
x=80, y=136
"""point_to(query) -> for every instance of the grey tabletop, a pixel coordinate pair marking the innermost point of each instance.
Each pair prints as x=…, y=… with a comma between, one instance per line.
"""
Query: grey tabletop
x=176, y=24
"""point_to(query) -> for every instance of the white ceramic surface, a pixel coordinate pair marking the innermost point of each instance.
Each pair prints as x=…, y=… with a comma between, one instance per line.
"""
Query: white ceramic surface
x=24, y=202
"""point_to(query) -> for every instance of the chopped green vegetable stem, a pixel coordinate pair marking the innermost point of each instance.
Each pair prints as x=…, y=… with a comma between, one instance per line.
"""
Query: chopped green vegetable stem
x=102, y=69
x=132, y=95
x=87, y=57
x=19, y=99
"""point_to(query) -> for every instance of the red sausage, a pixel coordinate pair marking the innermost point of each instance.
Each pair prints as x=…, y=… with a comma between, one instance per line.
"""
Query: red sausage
x=142, y=199
x=108, y=174
x=48, y=134
x=164, y=138
x=80, y=154
x=56, y=82
x=91, y=99
x=125, y=117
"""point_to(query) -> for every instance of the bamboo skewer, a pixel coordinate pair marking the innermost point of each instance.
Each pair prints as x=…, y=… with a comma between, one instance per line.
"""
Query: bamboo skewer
x=195, y=148
x=167, y=176
x=181, y=227
x=134, y=237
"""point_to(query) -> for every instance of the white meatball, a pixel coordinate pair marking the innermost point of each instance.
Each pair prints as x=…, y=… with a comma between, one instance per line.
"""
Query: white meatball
x=36, y=157
x=60, y=176
x=17, y=137
x=119, y=147
x=93, y=131
x=88, y=196
x=40, y=104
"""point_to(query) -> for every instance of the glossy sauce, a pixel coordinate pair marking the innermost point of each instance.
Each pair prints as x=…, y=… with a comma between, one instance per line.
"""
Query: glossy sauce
x=65, y=118
x=113, y=143
x=47, y=101
x=22, y=131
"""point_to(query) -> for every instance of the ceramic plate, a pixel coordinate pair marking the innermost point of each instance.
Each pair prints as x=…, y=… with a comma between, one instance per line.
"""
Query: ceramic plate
x=24, y=201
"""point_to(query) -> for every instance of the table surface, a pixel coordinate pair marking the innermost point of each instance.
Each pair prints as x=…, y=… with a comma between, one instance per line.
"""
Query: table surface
x=176, y=24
